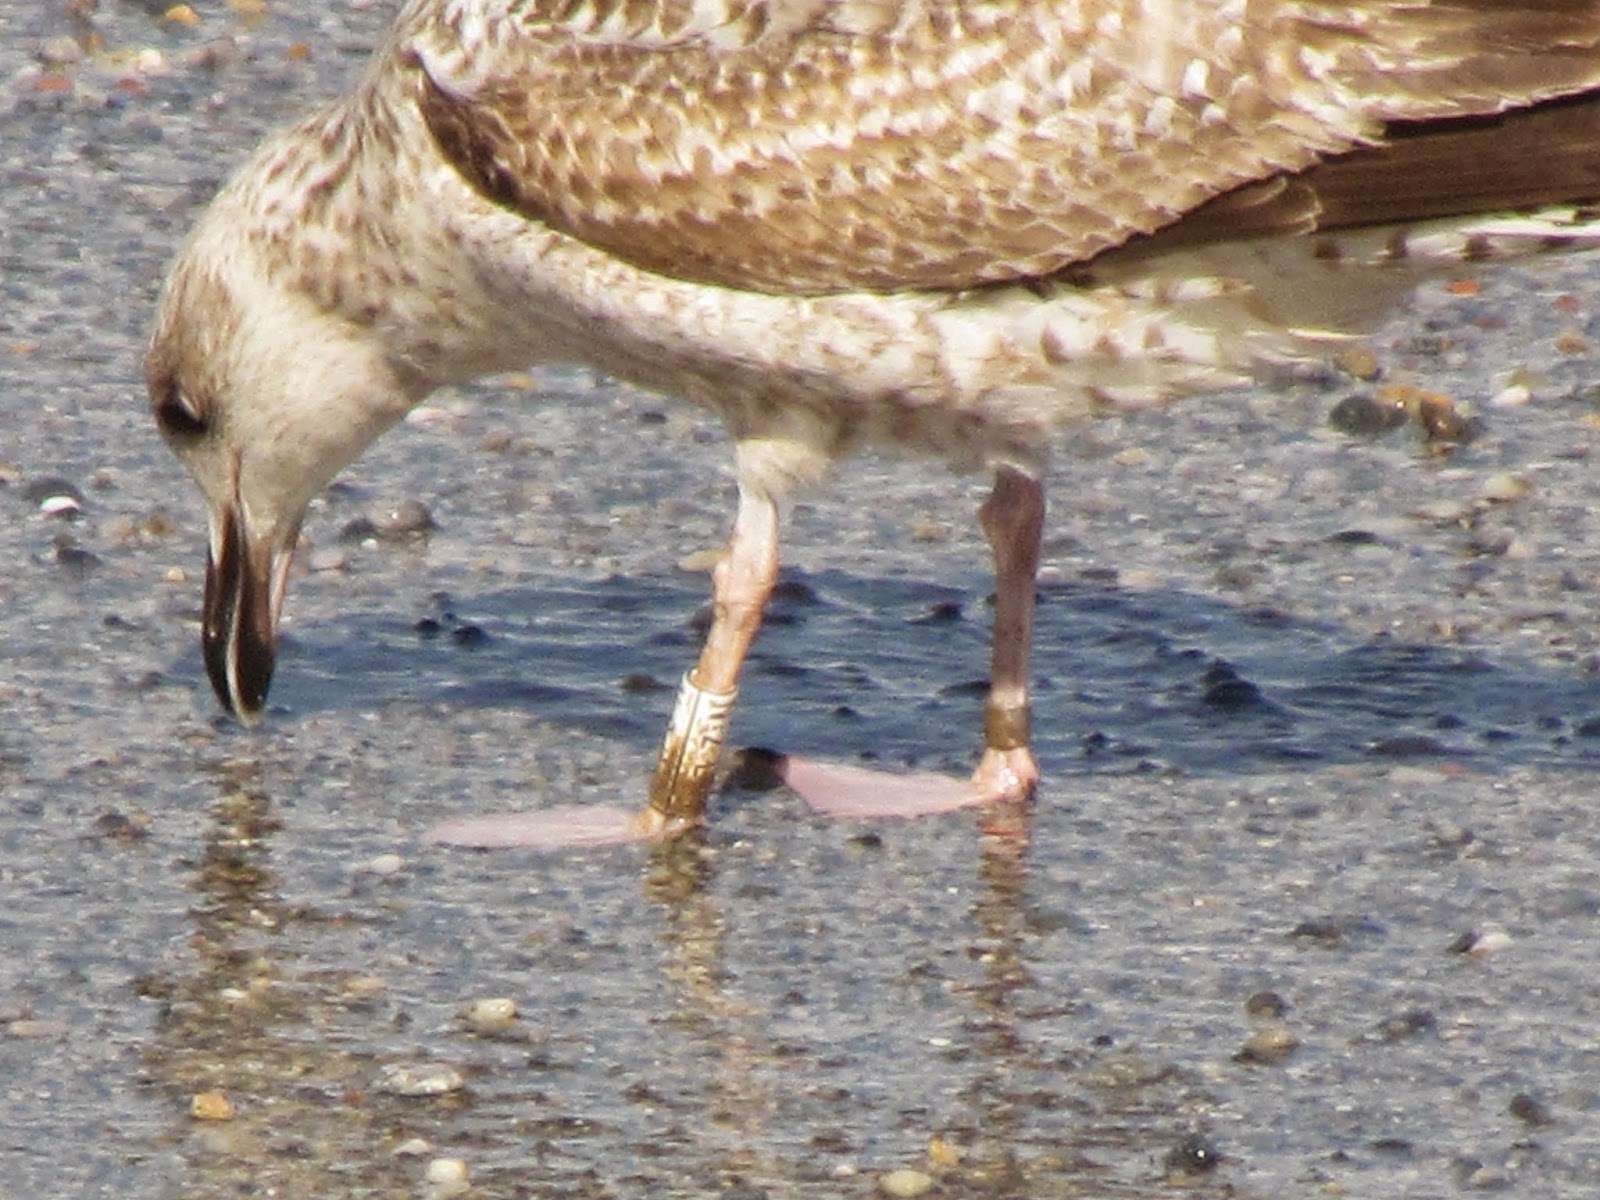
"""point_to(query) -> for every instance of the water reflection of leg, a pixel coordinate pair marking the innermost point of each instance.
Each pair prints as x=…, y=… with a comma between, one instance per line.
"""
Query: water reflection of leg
x=1002, y=912
x=1054, y=1112
x=256, y=1098
x=723, y=1044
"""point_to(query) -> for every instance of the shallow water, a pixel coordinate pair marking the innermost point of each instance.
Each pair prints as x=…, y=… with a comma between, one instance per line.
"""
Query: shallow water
x=1311, y=709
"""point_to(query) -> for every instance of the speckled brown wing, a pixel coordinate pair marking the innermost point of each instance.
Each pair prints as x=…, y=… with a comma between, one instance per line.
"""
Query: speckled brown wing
x=808, y=147
x=1522, y=161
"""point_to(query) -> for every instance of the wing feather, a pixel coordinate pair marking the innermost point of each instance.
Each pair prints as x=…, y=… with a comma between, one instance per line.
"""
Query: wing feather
x=803, y=146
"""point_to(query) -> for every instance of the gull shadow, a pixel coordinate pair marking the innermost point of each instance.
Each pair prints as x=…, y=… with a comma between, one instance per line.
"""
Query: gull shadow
x=893, y=669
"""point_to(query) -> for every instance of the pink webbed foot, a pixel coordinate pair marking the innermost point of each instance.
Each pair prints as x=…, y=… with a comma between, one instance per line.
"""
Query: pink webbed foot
x=839, y=790
x=567, y=827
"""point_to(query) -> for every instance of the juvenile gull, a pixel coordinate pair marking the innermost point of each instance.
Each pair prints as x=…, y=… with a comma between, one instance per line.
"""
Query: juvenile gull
x=945, y=227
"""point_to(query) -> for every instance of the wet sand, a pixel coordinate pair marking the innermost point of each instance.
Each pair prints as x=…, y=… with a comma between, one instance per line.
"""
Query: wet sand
x=1311, y=884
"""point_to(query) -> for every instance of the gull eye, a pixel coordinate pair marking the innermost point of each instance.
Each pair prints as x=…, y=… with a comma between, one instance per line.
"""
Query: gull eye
x=178, y=415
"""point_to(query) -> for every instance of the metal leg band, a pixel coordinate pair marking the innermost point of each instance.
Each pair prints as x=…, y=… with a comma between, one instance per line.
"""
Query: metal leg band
x=690, y=751
x=1006, y=728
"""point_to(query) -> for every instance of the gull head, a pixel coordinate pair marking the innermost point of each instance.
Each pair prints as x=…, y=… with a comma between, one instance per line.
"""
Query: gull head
x=264, y=394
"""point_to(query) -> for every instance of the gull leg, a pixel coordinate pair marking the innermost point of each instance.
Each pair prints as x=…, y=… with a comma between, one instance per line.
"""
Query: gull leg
x=1013, y=519
x=740, y=587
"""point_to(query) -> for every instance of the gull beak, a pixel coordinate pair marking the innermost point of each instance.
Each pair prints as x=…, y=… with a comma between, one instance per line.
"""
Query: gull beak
x=246, y=575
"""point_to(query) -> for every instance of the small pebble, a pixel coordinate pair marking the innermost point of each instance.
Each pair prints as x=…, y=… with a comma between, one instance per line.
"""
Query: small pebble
x=447, y=1177
x=1363, y=415
x=1404, y=1026
x=384, y=864
x=1358, y=361
x=1490, y=543
x=468, y=634
x=1268, y=1046
x=427, y=416
x=423, y=1079
x=1481, y=943
x=122, y=827
x=1266, y=1004
x=1443, y=512
x=1507, y=486
x=414, y=1147
x=151, y=63
x=40, y=491
x=1570, y=341
x=1443, y=422
x=498, y=442
x=943, y=1154
x=407, y=519
x=156, y=524
x=210, y=1106
x=491, y=1015
x=1487, y=1179
x=1527, y=1109
x=357, y=531
x=60, y=51
x=73, y=556
x=1195, y=1155
x=212, y=55
x=941, y=613
x=905, y=1182
x=1335, y=930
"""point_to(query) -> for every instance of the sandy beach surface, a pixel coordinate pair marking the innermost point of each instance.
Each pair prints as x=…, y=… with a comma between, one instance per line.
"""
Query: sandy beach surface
x=1308, y=906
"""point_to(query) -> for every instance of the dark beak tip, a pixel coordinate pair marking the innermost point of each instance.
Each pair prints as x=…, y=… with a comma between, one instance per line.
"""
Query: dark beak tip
x=250, y=717
x=248, y=710
x=242, y=693
x=238, y=638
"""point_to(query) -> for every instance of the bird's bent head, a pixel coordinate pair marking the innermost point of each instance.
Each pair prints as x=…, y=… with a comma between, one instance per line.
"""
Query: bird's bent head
x=264, y=395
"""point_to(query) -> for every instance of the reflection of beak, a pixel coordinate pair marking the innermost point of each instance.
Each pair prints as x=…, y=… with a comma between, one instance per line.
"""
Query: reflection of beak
x=245, y=580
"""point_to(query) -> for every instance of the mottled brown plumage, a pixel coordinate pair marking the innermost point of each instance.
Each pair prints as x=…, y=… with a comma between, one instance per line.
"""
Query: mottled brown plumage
x=946, y=227
x=795, y=148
